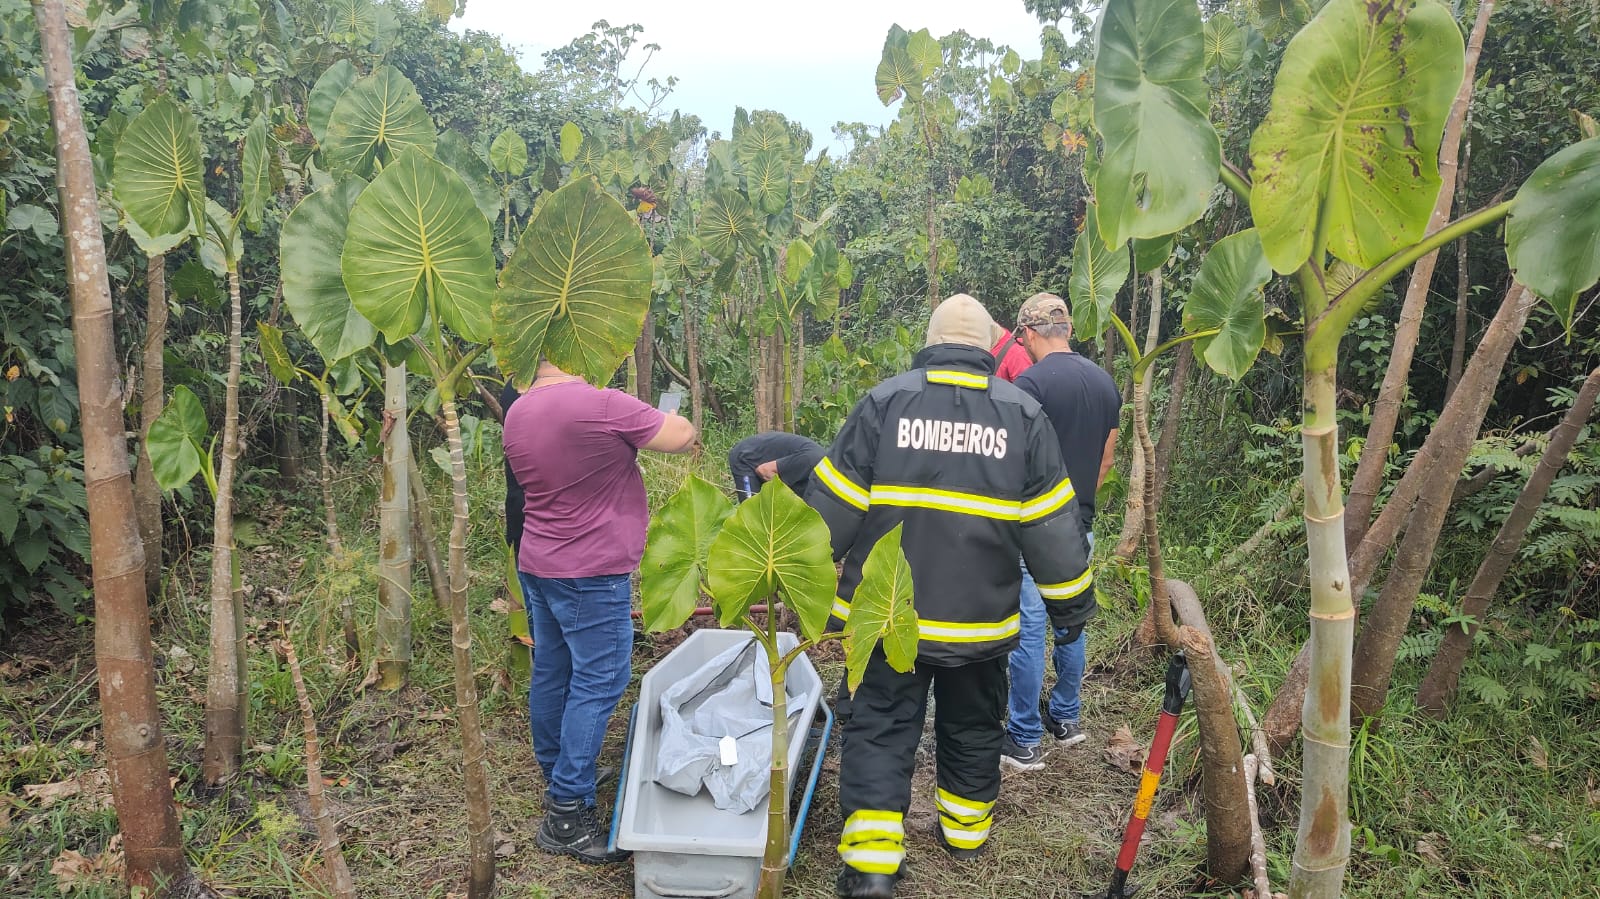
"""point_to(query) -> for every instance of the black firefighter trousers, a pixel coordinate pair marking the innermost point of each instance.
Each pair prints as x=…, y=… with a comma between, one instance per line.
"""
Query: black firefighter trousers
x=880, y=745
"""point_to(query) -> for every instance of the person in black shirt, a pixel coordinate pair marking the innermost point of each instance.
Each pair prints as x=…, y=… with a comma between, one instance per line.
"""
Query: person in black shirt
x=761, y=457
x=1083, y=405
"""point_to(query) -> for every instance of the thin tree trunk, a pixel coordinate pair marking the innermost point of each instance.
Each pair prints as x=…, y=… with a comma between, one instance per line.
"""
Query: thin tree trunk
x=224, y=740
x=1158, y=618
x=797, y=373
x=1439, y=684
x=1133, y=512
x=691, y=337
x=423, y=536
x=933, y=240
x=1226, y=802
x=1133, y=322
x=329, y=514
x=290, y=451
x=335, y=871
x=1322, y=842
x=131, y=719
x=763, y=389
x=1458, y=347
x=1390, y=616
x=480, y=838
x=146, y=492
x=392, y=633
x=775, y=857
x=1167, y=444
x=644, y=365
x=1368, y=480
x=1507, y=323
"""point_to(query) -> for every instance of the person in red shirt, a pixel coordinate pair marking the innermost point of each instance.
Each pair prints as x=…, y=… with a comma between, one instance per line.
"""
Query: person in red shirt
x=1012, y=359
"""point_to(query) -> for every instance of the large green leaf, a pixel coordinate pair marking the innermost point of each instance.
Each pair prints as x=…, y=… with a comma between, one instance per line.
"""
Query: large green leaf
x=1350, y=144
x=726, y=223
x=681, y=256
x=571, y=140
x=309, y=249
x=674, y=563
x=1150, y=253
x=332, y=84
x=352, y=22
x=898, y=73
x=882, y=610
x=591, y=151
x=773, y=544
x=1097, y=274
x=275, y=354
x=177, y=440
x=1161, y=154
x=1553, y=237
x=616, y=167
x=764, y=135
x=509, y=153
x=157, y=176
x=454, y=151
x=767, y=178
x=376, y=120
x=256, y=184
x=1224, y=43
x=417, y=245
x=576, y=289
x=1227, y=295
x=924, y=49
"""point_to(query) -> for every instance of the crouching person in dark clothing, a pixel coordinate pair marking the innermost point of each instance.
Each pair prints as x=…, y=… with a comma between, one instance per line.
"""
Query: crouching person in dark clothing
x=773, y=454
x=970, y=466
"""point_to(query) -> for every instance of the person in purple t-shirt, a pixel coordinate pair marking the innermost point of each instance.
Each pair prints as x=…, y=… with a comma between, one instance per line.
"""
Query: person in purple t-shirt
x=574, y=449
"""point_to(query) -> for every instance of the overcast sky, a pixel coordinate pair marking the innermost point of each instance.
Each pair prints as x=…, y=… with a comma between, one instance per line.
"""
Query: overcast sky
x=812, y=61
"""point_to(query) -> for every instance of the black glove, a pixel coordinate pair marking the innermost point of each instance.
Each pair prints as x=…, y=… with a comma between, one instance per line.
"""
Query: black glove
x=1068, y=636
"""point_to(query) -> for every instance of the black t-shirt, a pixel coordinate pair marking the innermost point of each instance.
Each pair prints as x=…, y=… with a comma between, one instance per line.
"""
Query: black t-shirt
x=514, y=495
x=1083, y=404
x=795, y=455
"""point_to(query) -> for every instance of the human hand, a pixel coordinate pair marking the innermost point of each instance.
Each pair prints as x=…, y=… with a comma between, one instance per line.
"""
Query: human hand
x=767, y=470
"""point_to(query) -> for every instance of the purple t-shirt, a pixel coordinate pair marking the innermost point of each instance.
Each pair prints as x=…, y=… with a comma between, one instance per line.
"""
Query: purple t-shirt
x=574, y=449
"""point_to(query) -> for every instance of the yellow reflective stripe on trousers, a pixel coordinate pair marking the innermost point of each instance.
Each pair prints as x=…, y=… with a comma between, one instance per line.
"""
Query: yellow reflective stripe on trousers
x=965, y=823
x=947, y=501
x=1038, y=508
x=841, y=609
x=962, y=809
x=1067, y=589
x=842, y=487
x=968, y=632
x=958, y=378
x=873, y=841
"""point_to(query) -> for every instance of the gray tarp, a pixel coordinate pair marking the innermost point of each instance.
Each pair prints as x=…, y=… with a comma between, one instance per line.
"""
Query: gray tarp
x=729, y=696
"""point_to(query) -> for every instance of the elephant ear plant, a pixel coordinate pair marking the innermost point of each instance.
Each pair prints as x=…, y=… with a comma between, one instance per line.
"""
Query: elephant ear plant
x=775, y=549
x=1345, y=173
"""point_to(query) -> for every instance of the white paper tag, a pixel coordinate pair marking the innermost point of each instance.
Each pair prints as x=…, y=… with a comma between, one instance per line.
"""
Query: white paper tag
x=730, y=751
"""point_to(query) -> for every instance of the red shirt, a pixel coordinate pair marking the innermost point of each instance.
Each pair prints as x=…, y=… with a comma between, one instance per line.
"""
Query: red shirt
x=1016, y=360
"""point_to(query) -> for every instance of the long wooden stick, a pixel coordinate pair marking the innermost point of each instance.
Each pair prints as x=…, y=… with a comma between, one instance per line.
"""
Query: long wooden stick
x=1258, y=842
x=335, y=870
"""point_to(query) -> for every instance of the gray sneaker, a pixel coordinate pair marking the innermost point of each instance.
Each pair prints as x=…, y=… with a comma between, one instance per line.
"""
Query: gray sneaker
x=1067, y=733
x=1022, y=758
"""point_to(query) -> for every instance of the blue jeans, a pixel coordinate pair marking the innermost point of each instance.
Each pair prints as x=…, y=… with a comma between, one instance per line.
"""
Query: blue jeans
x=583, y=645
x=1027, y=670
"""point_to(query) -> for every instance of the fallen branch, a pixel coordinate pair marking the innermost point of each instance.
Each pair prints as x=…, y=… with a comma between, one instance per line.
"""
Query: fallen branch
x=1258, y=842
x=1259, y=744
x=1249, y=547
x=335, y=870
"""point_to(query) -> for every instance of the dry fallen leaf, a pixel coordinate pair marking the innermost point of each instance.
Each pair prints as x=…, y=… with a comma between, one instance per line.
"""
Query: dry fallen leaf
x=500, y=605
x=503, y=847
x=50, y=794
x=1429, y=853
x=1537, y=755
x=74, y=870
x=179, y=660
x=1123, y=752
x=1594, y=793
x=24, y=666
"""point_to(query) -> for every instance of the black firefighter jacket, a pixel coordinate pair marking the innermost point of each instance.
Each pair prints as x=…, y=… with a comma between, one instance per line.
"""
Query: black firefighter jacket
x=972, y=467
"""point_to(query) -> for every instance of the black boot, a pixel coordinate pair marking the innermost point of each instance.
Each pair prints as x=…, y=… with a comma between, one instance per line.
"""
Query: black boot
x=854, y=884
x=570, y=828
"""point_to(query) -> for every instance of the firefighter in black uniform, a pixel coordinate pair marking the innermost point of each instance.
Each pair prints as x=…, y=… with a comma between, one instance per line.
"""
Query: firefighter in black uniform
x=970, y=464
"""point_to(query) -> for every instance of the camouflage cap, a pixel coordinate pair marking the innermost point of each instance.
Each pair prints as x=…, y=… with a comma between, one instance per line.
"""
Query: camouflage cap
x=1043, y=309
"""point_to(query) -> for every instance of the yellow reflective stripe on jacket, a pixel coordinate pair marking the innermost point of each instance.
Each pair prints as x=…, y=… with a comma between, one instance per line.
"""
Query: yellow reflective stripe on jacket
x=958, y=378
x=965, y=632
x=873, y=841
x=841, y=609
x=842, y=487
x=1035, y=509
x=1067, y=589
x=947, y=501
